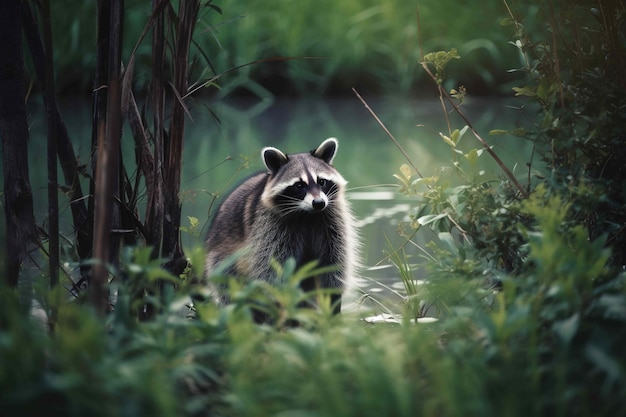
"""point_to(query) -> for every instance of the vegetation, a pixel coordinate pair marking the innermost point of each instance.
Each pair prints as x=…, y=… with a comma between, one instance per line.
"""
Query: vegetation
x=350, y=43
x=526, y=278
x=546, y=260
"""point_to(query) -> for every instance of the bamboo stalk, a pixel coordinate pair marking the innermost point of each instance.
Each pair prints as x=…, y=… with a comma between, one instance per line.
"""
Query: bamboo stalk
x=53, y=196
x=188, y=13
x=107, y=165
x=66, y=154
x=154, y=186
x=18, y=198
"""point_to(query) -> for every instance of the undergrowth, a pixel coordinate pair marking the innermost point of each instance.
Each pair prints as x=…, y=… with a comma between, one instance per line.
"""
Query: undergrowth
x=548, y=343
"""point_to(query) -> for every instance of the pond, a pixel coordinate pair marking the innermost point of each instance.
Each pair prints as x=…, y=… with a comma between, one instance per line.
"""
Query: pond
x=218, y=155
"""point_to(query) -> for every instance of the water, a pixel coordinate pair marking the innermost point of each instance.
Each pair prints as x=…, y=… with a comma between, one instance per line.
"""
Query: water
x=217, y=156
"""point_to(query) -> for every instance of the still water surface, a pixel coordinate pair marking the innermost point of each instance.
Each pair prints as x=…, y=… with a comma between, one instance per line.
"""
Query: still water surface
x=218, y=155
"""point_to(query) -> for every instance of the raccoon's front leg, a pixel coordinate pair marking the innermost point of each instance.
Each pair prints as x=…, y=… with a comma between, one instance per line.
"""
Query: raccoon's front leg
x=310, y=284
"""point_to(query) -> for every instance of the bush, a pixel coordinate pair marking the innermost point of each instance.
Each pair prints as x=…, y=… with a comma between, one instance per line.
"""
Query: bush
x=539, y=275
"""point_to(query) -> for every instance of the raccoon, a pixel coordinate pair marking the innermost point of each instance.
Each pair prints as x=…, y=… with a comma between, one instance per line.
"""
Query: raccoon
x=296, y=209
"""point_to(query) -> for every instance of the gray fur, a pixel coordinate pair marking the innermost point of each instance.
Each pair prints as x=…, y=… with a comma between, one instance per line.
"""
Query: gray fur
x=256, y=222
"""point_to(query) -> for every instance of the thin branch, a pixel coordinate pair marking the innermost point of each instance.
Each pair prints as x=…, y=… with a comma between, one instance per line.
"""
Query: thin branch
x=406, y=155
x=490, y=151
x=201, y=84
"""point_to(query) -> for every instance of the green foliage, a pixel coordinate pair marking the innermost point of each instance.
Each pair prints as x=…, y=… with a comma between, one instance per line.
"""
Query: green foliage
x=579, y=132
x=565, y=308
x=534, y=352
x=476, y=219
x=353, y=43
x=279, y=305
x=79, y=369
x=576, y=79
x=193, y=228
x=440, y=60
x=539, y=277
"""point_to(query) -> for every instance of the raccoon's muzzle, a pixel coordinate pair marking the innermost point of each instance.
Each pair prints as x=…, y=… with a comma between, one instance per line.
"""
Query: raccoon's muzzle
x=318, y=204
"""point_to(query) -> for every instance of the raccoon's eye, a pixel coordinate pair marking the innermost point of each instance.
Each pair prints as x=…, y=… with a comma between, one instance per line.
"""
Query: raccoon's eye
x=299, y=185
x=322, y=182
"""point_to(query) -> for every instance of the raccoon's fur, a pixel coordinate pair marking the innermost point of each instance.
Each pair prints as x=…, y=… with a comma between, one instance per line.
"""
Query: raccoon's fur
x=297, y=209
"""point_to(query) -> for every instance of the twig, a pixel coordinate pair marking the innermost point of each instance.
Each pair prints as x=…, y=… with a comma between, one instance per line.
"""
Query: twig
x=388, y=133
x=495, y=157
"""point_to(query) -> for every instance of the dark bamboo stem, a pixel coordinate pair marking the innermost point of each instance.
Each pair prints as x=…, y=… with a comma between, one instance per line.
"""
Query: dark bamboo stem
x=18, y=198
x=187, y=16
x=53, y=196
x=107, y=165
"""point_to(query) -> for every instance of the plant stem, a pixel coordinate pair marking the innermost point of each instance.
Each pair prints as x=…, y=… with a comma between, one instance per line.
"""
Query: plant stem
x=495, y=157
x=388, y=133
x=53, y=197
x=107, y=165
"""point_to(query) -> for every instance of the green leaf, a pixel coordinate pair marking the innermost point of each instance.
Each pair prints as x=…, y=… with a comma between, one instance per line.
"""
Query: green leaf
x=524, y=91
x=429, y=218
x=612, y=306
x=447, y=140
x=473, y=155
x=405, y=174
x=159, y=273
x=498, y=132
x=566, y=329
x=461, y=134
x=602, y=360
x=448, y=239
x=405, y=170
x=455, y=136
x=425, y=180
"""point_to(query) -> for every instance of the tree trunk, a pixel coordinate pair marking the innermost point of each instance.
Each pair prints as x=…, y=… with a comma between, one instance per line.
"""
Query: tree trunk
x=20, y=219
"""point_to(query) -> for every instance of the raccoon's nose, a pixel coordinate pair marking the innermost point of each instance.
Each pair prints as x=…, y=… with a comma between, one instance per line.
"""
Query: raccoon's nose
x=318, y=204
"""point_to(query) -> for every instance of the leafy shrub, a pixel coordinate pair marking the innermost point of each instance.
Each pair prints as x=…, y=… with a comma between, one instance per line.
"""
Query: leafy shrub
x=576, y=79
x=558, y=307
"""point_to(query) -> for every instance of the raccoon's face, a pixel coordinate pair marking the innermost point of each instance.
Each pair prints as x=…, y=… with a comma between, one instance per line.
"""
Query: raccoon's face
x=304, y=182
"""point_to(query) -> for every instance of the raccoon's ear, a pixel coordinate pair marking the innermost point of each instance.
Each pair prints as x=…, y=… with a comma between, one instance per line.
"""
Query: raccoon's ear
x=327, y=150
x=273, y=158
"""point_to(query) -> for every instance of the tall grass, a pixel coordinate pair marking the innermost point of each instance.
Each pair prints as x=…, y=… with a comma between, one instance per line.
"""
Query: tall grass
x=366, y=44
x=356, y=43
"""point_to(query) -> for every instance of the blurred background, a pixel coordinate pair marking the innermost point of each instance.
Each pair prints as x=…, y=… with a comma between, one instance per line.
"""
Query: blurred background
x=374, y=46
